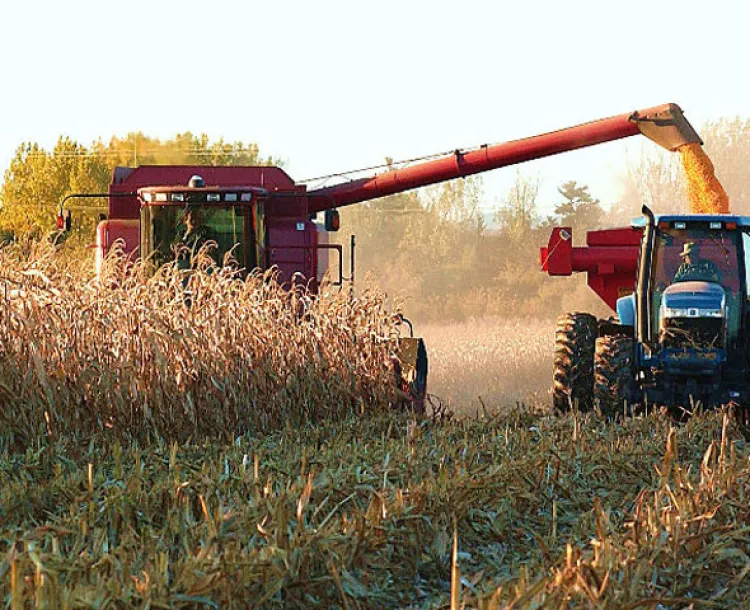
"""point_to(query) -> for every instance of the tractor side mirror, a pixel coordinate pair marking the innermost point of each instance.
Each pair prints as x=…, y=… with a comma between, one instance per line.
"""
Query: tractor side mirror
x=332, y=220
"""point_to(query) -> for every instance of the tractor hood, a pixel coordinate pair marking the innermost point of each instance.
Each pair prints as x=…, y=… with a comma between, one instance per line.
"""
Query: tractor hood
x=693, y=300
x=692, y=329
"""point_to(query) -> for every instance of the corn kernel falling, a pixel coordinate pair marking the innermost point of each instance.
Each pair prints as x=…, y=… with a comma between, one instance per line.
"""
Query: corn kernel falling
x=705, y=193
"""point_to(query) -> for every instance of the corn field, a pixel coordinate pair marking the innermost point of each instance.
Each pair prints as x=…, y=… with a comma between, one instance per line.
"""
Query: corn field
x=490, y=362
x=214, y=443
x=547, y=512
x=168, y=357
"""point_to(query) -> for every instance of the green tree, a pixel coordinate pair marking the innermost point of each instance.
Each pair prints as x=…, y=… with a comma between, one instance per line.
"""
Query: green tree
x=578, y=208
x=37, y=180
x=518, y=214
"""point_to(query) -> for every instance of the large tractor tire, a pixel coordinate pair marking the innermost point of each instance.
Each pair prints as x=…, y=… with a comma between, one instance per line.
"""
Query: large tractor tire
x=573, y=372
x=613, y=372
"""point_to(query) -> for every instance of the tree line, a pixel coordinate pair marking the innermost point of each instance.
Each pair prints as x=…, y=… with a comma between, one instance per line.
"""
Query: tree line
x=37, y=179
x=436, y=247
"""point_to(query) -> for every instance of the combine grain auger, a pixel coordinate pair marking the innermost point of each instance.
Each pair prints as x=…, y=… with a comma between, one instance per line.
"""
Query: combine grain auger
x=266, y=219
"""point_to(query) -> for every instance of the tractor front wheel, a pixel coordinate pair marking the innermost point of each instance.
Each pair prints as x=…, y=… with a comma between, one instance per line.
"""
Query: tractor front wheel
x=613, y=372
x=573, y=371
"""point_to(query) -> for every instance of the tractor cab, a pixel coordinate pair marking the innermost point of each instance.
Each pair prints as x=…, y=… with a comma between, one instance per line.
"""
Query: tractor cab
x=698, y=293
x=177, y=222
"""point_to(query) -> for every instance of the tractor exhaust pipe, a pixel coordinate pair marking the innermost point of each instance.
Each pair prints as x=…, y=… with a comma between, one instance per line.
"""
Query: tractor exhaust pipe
x=642, y=302
x=667, y=126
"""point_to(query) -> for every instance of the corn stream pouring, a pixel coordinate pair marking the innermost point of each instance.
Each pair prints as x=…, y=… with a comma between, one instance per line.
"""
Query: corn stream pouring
x=706, y=195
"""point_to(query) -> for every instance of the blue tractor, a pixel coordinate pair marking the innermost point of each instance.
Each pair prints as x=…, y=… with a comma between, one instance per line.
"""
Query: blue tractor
x=679, y=285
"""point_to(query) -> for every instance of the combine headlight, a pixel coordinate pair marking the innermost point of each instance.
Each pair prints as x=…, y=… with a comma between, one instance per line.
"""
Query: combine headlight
x=211, y=197
x=680, y=225
x=714, y=225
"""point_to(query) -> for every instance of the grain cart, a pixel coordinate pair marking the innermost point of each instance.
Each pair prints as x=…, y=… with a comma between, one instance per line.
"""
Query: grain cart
x=268, y=220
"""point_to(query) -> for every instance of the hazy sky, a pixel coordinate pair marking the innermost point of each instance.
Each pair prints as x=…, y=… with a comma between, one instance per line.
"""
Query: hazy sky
x=335, y=85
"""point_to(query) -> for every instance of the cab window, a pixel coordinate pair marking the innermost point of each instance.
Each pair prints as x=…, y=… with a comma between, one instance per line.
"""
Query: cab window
x=698, y=254
x=165, y=229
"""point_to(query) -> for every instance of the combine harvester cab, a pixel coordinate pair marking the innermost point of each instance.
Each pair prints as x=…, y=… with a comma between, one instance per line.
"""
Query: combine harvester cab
x=256, y=214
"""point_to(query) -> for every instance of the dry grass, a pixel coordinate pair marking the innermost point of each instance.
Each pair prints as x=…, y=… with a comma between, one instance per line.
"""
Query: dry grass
x=551, y=512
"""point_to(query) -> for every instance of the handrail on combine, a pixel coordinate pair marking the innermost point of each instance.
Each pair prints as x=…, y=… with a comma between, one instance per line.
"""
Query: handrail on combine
x=337, y=247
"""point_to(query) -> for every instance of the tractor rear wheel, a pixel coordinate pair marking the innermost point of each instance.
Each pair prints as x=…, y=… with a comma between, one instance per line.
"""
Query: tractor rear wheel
x=613, y=372
x=573, y=371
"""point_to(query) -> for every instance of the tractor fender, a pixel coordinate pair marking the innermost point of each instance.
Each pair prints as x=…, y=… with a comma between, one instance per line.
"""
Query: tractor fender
x=626, y=310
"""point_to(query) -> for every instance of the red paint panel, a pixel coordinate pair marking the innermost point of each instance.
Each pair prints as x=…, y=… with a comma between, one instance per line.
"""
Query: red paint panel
x=557, y=257
x=610, y=259
x=286, y=206
x=612, y=287
x=291, y=248
x=109, y=231
x=611, y=269
x=614, y=237
x=622, y=258
x=126, y=180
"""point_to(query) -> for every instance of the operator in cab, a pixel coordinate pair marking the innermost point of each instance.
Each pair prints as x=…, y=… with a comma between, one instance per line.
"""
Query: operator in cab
x=694, y=268
x=196, y=236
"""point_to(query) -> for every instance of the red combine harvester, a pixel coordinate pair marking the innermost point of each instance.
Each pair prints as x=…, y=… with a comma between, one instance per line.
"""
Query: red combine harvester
x=267, y=220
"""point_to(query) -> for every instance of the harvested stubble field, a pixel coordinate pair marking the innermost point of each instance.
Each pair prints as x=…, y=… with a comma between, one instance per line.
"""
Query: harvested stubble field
x=162, y=456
